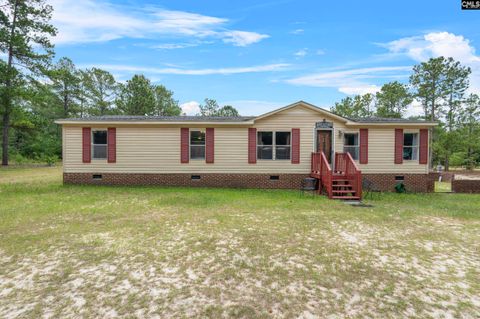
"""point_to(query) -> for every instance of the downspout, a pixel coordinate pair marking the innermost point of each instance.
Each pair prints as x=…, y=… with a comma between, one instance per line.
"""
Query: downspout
x=430, y=152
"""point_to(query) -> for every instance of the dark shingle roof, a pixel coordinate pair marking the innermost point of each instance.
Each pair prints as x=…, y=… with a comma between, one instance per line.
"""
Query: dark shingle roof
x=128, y=118
x=220, y=119
x=385, y=120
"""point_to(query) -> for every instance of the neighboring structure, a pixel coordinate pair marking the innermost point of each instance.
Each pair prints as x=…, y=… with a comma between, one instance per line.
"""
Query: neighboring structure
x=273, y=150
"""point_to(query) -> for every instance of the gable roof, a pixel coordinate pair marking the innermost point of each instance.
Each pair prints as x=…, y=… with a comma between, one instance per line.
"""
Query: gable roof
x=304, y=104
x=237, y=120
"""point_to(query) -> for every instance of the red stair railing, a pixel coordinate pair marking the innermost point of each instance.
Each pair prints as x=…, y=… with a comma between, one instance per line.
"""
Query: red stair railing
x=321, y=169
x=346, y=166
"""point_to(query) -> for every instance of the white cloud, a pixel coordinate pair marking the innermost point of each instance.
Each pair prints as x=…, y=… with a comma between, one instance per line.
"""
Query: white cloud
x=179, y=71
x=434, y=44
x=359, y=89
x=170, y=46
x=92, y=21
x=190, y=108
x=81, y=21
x=242, y=38
x=415, y=109
x=421, y=48
x=180, y=22
x=301, y=53
x=320, y=52
x=297, y=31
x=352, y=81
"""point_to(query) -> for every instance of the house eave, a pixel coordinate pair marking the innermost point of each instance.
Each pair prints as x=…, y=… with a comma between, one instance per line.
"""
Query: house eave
x=391, y=124
x=160, y=123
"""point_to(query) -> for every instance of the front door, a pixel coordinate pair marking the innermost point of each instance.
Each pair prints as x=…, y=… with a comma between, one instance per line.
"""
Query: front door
x=324, y=143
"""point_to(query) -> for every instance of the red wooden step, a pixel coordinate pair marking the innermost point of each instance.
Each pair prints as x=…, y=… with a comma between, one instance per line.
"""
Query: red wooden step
x=342, y=185
x=343, y=191
x=345, y=197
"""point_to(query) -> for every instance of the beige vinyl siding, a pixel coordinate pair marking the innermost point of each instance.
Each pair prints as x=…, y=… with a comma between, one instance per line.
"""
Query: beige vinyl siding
x=381, y=152
x=156, y=149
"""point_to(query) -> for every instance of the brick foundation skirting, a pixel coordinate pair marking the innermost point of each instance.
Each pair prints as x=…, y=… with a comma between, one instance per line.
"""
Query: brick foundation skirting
x=291, y=181
x=383, y=182
x=417, y=183
x=466, y=186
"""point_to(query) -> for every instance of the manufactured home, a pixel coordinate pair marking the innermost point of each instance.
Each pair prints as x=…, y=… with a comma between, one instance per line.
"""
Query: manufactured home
x=278, y=149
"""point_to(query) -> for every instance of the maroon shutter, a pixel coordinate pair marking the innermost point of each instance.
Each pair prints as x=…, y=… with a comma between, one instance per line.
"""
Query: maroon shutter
x=398, y=146
x=423, y=156
x=112, y=144
x=184, y=144
x=363, y=146
x=210, y=145
x=86, y=144
x=252, y=145
x=295, y=146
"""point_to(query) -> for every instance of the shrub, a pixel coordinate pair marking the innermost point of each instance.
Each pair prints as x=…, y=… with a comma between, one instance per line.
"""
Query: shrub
x=400, y=188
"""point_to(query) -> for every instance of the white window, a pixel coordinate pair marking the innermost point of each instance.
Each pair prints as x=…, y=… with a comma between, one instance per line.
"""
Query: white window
x=350, y=144
x=410, y=146
x=282, y=145
x=273, y=145
x=99, y=144
x=197, y=144
x=265, y=145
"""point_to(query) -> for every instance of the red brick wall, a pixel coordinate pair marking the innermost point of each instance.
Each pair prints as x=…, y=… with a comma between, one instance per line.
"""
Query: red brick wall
x=384, y=182
x=292, y=181
x=466, y=185
x=421, y=183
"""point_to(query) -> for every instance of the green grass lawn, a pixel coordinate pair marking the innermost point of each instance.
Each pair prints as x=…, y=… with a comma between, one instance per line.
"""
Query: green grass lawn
x=148, y=252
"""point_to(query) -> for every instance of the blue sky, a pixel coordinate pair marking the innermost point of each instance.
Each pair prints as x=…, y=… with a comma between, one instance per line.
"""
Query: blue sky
x=257, y=55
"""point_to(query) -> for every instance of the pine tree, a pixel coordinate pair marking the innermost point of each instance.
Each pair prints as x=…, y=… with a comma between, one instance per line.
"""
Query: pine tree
x=25, y=34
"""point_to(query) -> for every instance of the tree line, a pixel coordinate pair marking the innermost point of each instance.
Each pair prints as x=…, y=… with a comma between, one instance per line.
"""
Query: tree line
x=35, y=91
x=440, y=86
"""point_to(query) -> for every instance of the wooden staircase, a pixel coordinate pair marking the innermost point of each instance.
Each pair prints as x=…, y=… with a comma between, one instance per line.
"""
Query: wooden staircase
x=344, y=183
x=342, y=188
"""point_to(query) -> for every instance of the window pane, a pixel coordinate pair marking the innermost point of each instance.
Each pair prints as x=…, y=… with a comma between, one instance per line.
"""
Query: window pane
x=414, y=139
x=282, y=138
x=282, y=152
x=351, y=139
x=99, y=151
x=407, y=153
x=197, y=151
x=408, y=139
x=197, y=138
x=353, y=150
x=414, y=153
x=99, y=137
x=264, y=152
x=264, y=138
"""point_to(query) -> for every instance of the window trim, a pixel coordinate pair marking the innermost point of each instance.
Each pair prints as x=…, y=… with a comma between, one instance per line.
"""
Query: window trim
x=274, y=145
x=358, y=145
x=416, y=132
x=92, y=144
x=204, y=130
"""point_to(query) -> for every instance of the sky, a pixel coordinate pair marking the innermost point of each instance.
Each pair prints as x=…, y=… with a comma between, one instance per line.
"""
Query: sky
x=261, y=55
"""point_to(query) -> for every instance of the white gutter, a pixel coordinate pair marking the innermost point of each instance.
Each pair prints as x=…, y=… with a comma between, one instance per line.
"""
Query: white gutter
x=149, y=123
x=398, y=124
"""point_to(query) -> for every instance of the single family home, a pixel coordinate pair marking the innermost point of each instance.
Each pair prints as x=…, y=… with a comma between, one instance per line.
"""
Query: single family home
x=278, y=149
